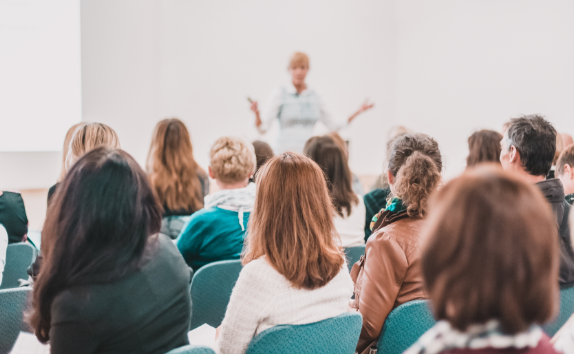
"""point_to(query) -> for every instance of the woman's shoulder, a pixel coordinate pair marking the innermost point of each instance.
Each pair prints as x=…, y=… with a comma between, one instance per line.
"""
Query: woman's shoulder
x=406, y=232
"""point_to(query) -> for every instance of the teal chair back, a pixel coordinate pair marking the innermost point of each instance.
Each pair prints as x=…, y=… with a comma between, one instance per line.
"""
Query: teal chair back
x=566, y=310
x=337, y=335
x=404, y=326
x=354, y=254
x=192, y=349
x=19, y=257
x=210, y=290
x=12, y=305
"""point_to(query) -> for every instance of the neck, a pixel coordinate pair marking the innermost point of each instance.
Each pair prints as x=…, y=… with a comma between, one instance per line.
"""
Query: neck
x=300, y=87
x=236, y=185
x=527, y=177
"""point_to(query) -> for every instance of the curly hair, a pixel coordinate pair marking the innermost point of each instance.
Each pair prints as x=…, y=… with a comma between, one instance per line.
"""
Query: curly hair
x=416, y=163
x=232, y=159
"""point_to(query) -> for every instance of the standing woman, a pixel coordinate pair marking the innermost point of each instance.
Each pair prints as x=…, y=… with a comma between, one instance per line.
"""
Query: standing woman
x=109, y=283
x=177, y=180
x=298, y=108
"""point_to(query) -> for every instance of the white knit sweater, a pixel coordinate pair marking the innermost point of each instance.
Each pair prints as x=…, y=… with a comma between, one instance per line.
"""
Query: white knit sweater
x=263, y=298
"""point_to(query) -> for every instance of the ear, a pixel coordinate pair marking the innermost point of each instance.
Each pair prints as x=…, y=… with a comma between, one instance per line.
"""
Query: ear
x=568, y=171
x=390, y=177
x=210, y=171
x=513, y=155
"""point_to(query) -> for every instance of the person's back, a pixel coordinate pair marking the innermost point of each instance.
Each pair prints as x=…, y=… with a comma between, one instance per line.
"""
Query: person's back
x=528, y=150
x=13, y=216
x=486, y=299
x=389, y=274
x=294, y=271
x=130, y=315
x=109, y=283
x=216, y=232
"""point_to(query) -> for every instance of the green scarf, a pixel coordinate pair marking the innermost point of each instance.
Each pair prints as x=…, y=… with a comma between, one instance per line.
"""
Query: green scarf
x=394, y=205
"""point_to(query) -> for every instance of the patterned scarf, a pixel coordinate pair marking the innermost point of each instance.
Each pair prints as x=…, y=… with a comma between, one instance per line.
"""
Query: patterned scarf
x=443, y=337
x=395, y=207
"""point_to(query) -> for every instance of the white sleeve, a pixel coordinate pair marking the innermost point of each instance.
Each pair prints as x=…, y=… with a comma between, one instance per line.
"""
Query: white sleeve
x=249, y=304
x=3, y=246
x=270, y=111
x=326, y=118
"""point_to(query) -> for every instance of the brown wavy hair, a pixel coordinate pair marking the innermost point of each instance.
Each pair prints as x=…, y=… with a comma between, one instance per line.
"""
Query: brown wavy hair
x=491, y=251
x=483, y=146
x=333, y=161
x=97, y=228
x=172, y=170
x=292, y=222
x=416, y=163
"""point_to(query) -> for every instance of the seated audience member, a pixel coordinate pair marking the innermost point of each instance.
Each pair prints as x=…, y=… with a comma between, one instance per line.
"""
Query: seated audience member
x=109, y=282
x=565, y=172
x=263, y=152
x=177, y=180
x=65, y=150
x=3, y=246
x=13, y=216
x=559, y=149
x=389, y=273
x=527, y=150
x=216, y=232
x=294, y=271
x=349, y=207
x=485, y=298
x=356, y=183
x=85, y=137
x=381, y=180
x=483, y=146
x=376, y=200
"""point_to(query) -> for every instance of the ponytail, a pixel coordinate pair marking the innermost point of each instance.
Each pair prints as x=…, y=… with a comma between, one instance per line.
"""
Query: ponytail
x=416, y=163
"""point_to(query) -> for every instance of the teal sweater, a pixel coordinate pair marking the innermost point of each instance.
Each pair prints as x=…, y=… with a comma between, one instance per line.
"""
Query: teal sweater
x=212, y=235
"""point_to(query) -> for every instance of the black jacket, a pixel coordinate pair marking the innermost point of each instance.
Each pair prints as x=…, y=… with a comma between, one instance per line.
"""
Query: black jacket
x=554, y=193
x=13, y=216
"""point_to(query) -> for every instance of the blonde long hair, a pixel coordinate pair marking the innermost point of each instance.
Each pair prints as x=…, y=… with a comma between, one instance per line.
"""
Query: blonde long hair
x=88, y=137
x=292, y=222
x=171, y=168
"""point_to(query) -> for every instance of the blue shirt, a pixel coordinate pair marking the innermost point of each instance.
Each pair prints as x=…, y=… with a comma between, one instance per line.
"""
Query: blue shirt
x=212, y=235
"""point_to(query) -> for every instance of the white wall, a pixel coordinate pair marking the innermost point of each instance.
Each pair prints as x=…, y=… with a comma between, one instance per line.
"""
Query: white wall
x=466, y=65
x=199, y=60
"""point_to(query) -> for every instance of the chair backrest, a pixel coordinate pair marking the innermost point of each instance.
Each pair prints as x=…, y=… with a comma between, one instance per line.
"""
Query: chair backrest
x=210, y=290
x=19, y=257
x=192, y=349
x=337, y=335
x=354, y=254
x=12, y=305
x=566, y=310
x=404, y=326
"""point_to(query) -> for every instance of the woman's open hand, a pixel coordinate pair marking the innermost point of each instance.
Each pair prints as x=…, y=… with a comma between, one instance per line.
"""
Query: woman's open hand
x=364, y=107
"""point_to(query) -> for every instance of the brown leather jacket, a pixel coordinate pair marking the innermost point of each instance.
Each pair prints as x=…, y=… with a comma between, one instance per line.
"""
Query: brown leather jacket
x=387, y=276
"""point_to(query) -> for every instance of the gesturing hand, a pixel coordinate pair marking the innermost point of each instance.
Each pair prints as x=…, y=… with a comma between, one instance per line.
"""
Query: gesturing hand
x=254, y=107
x=365, y=106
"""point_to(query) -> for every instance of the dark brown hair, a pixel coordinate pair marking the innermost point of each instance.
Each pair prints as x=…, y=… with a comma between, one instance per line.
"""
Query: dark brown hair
x=416, y=163
x=483, y=146
x=97, y=227
x=263, y=152
x=566, y=158
x=332, y=160
x=173, y=172
x=292, y=222
x=491, y=252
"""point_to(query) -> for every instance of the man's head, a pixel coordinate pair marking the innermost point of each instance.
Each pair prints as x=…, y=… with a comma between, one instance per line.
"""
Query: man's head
x=528, y=146
x=565, y=169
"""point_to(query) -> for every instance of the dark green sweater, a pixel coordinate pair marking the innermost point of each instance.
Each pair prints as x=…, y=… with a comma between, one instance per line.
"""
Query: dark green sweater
x=147, y=311
x=375, y=200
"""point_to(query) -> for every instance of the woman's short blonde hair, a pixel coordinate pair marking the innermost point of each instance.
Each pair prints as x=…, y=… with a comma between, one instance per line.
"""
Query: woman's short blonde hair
x=232, y=159
x=299, y=59
x=89, y=137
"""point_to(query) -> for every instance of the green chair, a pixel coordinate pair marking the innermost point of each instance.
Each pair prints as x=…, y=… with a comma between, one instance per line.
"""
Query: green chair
x=19, y=257
x=210, y=290
x=12, y=305
x=404, y=326
x=354, y=254
x=192, y=349
x=566, y=310
x=337, y=335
